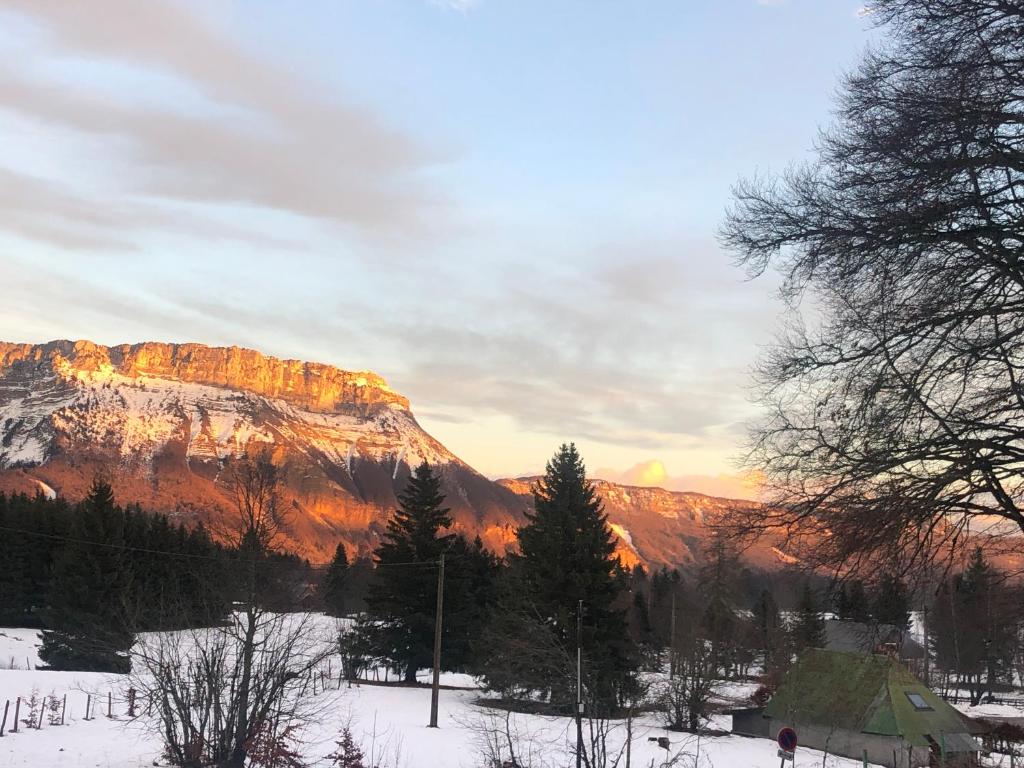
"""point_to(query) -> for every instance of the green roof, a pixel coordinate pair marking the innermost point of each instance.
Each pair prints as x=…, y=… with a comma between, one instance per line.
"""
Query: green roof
x=865, y=694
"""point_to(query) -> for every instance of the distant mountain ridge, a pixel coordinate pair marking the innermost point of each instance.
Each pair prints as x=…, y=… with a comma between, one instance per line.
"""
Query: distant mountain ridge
x=161, y=419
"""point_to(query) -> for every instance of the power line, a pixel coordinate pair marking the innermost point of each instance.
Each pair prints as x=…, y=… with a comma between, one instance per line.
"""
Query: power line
x=192, y=556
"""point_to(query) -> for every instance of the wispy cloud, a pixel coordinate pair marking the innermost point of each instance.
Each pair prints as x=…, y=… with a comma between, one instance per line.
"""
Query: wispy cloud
x=456, y=5
x=258, y=136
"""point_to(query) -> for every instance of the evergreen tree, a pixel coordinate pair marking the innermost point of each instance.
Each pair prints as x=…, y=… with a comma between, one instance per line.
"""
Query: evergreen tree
x=891, y=603
x=335, y=585
x=852, y=603
x=973, y=627
x=15, y=585
x=470, y=581
x=88, y=622
x=718, y=582
x=402, y=598
x=566, y=557
x=808, y=629
x=771, y=632
x=666, y=586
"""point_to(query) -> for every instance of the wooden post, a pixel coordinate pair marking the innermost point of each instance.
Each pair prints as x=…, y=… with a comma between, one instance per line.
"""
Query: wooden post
x=3, y=724
x=17, y=714
x=438, y=615
x=42, y=711
x=63, y=709
x=131, y=703
x=88, y=704
x=110, y=704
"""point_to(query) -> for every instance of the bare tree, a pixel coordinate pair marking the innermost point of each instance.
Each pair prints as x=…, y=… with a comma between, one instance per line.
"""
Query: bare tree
x=505, y=740
x=194, y=680
x=226, y=691
x=895, y=413
x=684, y=698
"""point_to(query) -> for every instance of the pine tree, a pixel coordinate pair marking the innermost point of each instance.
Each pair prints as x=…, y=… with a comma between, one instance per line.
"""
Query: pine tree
x=852, y=602
x=566, y=556
x=891, y=604
x=470, y=582
x=335, y=586
x=87, y=621
x=402, y=598
x=809, y=625
x=719, y=588
x=348, y=754
x=15, y=585
x=771, y=632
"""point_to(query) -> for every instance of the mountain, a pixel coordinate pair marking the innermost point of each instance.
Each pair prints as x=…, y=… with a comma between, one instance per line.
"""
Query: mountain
x=161, y=419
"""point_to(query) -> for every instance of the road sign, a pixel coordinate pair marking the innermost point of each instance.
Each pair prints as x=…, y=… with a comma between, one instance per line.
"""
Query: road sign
x=786, y=739
x=787, y=755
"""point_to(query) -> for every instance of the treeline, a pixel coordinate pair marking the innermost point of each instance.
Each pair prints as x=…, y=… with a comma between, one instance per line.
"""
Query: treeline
x=92, y=575
x=156, y=572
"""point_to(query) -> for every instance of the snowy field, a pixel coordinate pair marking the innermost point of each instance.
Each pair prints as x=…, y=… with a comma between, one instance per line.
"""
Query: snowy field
x=390, y=723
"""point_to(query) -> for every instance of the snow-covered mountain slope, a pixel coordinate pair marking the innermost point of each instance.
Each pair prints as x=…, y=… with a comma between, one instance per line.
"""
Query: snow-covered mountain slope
x=161, y=419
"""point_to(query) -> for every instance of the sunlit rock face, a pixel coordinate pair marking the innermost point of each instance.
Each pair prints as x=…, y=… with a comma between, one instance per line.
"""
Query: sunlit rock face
x=162, y=420
x=656, y=527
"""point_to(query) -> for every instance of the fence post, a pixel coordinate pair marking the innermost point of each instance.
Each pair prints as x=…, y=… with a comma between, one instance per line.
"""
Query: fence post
x=131, y=702
x=63, y=709
x=17, y=714
x=42, y=711
x=3, y=725
x=110, y=704
x=88, y=704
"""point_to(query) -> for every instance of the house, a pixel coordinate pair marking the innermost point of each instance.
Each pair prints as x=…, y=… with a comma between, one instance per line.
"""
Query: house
x=857, y=637
x=857, y=706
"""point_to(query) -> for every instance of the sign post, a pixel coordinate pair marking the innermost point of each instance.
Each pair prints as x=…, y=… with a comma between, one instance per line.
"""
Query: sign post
x=787, y=746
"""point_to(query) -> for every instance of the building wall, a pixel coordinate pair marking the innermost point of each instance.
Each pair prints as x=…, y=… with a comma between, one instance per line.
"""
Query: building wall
x=751, y=722
x=889, y=751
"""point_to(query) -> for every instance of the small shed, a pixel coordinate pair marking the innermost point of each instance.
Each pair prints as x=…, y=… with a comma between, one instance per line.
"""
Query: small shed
x=857, y=705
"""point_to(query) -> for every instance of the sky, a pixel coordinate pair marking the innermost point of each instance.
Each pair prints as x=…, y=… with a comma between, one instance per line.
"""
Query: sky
x=507, y=208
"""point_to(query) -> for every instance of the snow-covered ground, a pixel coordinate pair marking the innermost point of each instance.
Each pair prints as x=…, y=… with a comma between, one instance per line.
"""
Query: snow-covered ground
x=389, y=722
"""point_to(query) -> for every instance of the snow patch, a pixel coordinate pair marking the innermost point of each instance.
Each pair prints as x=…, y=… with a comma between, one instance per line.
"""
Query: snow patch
x=45, y=489
x=623, y=534
x=784, y=557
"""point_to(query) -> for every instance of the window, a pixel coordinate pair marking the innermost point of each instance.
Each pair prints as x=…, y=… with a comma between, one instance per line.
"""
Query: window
x=918, y=701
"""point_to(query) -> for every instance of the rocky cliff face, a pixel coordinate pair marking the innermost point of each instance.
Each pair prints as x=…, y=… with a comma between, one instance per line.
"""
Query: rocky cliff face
x=162, y=419
x=312, y=387
x=666, y=528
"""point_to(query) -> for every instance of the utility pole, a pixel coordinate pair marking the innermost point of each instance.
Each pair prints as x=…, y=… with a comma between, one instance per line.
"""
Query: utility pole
x=579, y=684
x=436, y=685
x=672, y=640
x=927, y=650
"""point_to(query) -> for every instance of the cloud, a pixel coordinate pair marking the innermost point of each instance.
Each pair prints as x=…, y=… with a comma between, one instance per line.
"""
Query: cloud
x=456, y=5
x=254, y=134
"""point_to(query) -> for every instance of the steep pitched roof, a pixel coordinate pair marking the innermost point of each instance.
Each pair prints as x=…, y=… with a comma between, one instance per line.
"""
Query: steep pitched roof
x=857, y=637
x=866, y=694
